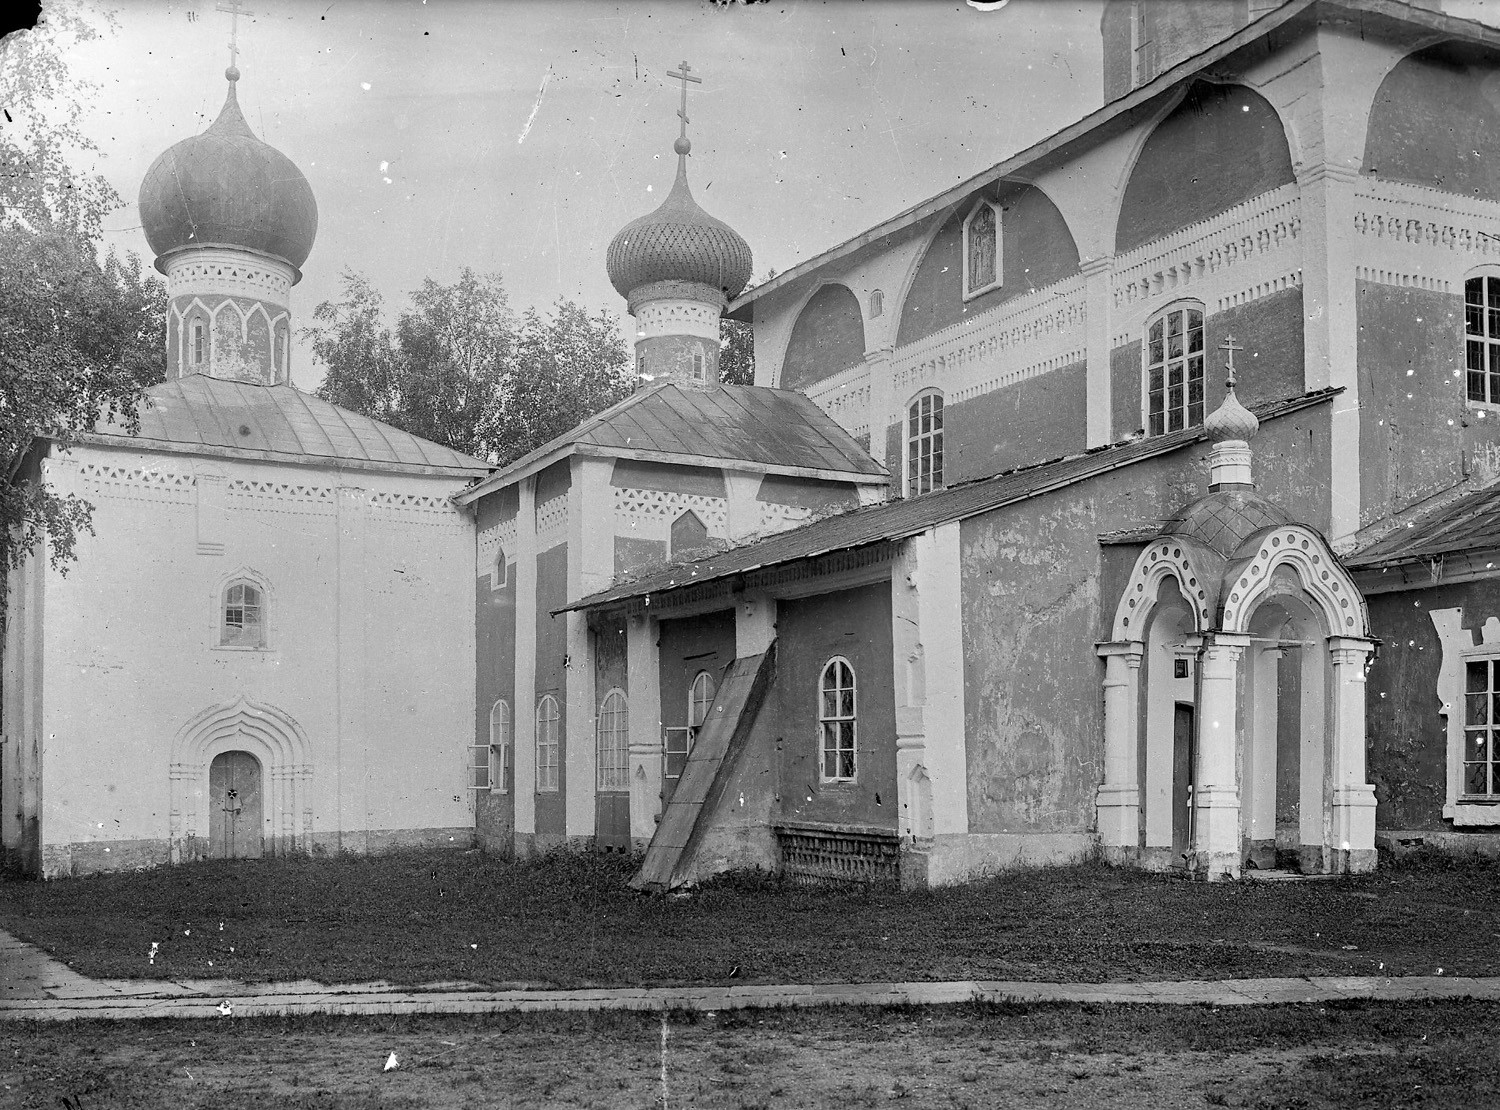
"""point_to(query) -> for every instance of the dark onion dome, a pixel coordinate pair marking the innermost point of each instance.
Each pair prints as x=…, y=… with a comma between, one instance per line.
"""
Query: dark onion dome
x=679, y=242
x=226, y=188
x=1224, y=520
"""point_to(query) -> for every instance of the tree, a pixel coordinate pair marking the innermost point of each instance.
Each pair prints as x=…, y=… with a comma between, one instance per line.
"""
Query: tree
x=736, y=353
x=80, y=338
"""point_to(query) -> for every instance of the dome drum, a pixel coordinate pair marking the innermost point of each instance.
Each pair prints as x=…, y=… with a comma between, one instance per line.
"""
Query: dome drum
x=695, y=291
x=203, y=271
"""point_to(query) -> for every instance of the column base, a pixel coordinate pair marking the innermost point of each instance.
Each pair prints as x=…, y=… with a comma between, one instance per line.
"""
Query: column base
x=1119, y=816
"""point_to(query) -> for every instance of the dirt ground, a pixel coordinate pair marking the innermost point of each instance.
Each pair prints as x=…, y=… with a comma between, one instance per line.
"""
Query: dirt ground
x=948, y=1057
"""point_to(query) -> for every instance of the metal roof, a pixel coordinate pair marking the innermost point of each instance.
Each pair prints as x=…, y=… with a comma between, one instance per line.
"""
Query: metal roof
x=1470, y=523
x=771, y=429
x=894, y=520
x=203, y=415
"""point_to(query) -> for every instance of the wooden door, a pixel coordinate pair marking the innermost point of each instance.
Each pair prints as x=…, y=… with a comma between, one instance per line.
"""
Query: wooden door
x=234, y=830
x=1183, y=751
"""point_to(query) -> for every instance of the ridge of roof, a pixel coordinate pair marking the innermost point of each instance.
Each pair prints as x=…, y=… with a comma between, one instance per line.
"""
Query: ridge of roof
x=894, y=520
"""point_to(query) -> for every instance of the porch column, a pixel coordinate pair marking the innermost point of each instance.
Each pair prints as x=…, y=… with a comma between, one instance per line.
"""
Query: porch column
x=1119, y=797
x=1352, y=800
x=643, y=664
x=1216, y=795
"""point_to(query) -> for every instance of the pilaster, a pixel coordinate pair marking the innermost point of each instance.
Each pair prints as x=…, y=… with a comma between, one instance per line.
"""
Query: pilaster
x=882, y=400
x=523, y=720
x=591, y=558
x=643, y=664
x=1216, y=796
x=1352, y=799
x=754, y=625
x=353, y=612
x=1119, y=797
x=1098, y=275
x=212, y=515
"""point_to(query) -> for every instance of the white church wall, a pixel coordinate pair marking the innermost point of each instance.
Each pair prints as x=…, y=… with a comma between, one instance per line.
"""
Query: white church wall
x=358, y=703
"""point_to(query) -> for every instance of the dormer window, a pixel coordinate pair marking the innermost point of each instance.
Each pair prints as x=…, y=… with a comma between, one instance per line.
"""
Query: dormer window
x=982, y=262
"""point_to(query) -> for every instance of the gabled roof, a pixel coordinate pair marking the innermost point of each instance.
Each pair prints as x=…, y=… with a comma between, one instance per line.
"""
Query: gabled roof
x=200, y=415
x=1470, y=523
x=895, y=520
x=759, y=428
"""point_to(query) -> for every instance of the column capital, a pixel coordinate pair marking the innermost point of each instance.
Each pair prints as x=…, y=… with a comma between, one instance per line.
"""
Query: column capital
x=1101, y=265
x=1227, y=641
x=1105, y=648
x=1355, y=645
x=1313, y=173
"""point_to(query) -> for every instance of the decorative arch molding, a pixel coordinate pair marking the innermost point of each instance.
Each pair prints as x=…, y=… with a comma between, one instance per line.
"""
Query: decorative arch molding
x=1196, y=571
x=271, y=735
x=1322, y=576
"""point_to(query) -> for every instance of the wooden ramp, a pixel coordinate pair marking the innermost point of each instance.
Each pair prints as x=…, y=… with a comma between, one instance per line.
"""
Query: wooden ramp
x=710, y=764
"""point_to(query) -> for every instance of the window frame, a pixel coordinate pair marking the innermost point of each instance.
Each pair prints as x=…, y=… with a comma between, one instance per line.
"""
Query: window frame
x=1489, y=657
x=1489, y=279
x=501, y=742
x=877, y=303
x=499, y=569
x=198, y=341
x=935, y=441
x=242, y=580
x=970, y=291
x=693, y=701
x=836, y=720
x=1162, y=317
x=619, y=717
x=546, y=784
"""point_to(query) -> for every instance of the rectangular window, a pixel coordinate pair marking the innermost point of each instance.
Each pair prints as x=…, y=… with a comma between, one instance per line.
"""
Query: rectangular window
x=1482, y=729
x=1174, y=371
x=1482, y=339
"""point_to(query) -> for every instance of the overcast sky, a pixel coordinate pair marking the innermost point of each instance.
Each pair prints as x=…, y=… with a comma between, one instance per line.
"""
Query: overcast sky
x=520, y=137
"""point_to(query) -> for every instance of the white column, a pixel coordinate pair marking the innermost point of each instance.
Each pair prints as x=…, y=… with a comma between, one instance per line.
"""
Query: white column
x=591, y=563
x=643, y=664
x=1119, y=797
x=352, y=814
x=523, y=720
x=1352, y=799
x=1098, y=276
x=1216, y=795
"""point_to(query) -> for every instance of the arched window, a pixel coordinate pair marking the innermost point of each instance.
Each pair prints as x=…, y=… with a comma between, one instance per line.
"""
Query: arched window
x=924, y=443
x=700, y=697
x=546, y=745
x=492, y=760
x=242, y=616
x=1174, y=369
x=499, y=570
x=982, y=263
x=613, y=743
x=877, y=302
x=836, y=720
x=1482, y=338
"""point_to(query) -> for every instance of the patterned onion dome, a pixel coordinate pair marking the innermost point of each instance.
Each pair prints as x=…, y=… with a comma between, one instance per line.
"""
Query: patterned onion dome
x=1231, y=420
x=1223, y=521
x=679, y=242
x=227, y=188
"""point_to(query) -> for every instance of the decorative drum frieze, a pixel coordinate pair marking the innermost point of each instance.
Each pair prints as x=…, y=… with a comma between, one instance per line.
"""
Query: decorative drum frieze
x=677, y=317
x=214, y=273
x=552, y=522
x=649, y=513
x=283, y=497
x=144, y=483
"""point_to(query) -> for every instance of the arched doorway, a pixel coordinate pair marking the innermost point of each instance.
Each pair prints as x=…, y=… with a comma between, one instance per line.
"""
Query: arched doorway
x=1167, y=761
x=234, y=809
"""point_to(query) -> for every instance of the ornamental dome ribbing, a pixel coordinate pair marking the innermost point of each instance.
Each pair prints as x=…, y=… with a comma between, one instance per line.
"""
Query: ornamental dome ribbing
x=227, y=188
x=1231, y=420
x=679, y=242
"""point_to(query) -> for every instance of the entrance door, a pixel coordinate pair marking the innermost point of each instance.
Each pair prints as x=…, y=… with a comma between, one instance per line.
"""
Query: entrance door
x=234, y=830
x=1183, y=751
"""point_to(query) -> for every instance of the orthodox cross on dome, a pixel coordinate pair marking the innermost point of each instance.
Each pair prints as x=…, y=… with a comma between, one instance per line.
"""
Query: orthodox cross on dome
x=684, y=75
x=234, y=10
x=1230, y=346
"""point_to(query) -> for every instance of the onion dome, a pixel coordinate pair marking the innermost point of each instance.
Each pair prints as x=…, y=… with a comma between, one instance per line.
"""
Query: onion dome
x=226, y=188
x=1231, y=420
x=679, y=242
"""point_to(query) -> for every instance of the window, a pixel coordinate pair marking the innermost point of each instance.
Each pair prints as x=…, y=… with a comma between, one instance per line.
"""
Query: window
x=836, y=710
x=1174, y=370
x=698, y=365
x=198, y=342
x=700, y=698
x=924, y=444
x=546, y=745
x=1482, y=729
x=243, y=623
x=613, y=743
x=640, y=363
x=982, y=263
x=1482, y=338
x=499, y=570
x=877, y=303
x=492, y=761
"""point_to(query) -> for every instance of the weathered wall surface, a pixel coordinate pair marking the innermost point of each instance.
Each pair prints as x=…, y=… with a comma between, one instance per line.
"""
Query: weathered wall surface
x=807, y=493
x=809, y=631
x=1034, y=420
x=829, y=336
x=495, y=678
x=1435, y=121
x=1408, y=739
x=1415, y=427
x=1037, y=249
x=551, y=678
x=1222, y=145
x=1165, y=32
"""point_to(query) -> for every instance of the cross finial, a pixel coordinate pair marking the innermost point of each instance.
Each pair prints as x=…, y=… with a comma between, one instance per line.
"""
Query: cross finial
x=1230, y=346
x=235, y=11
x=684, y=75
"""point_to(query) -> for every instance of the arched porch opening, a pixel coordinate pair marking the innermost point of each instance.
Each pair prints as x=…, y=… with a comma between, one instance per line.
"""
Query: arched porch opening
x=1167, y=736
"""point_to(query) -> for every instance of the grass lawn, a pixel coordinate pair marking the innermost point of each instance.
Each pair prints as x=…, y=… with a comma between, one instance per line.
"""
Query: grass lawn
x=1429, y=1055
x=571, y=921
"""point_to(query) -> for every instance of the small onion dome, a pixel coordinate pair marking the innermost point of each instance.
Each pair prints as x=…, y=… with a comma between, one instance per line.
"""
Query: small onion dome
x=1223, y=521
x=679, y=242
x=226, y=188
x=1231, y=420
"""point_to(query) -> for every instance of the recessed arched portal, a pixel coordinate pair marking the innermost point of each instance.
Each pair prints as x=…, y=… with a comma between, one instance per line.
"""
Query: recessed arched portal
x=1166, y=758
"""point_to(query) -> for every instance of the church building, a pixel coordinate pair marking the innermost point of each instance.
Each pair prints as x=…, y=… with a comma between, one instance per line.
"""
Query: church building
x=224, y=670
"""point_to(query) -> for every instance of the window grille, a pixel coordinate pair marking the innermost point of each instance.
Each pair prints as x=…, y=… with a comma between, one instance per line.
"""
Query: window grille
x=613, y=743
x=924, y=444
x=836, y=719
x=1174, y=370
x=244, y=617
x=1482, y=338
x=546, y=745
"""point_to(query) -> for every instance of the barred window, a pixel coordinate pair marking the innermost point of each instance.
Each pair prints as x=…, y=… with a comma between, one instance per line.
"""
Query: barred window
x=613, y=743
x=1174, y=370
x=1482, y=728
x=924, y=443
x=836, y=720
x=546, y=745
x=243, y=622
x=1482, y=338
